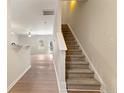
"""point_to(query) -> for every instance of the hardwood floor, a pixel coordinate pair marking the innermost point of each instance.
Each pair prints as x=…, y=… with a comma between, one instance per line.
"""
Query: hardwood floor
x=40, y=78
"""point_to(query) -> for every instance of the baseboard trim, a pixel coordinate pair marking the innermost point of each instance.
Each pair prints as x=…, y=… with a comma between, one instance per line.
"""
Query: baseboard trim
x=58, y=83
x=92, y=67
x=15, y=81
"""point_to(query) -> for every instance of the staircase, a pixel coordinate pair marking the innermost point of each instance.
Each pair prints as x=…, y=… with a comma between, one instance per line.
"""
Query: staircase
x=79, y=78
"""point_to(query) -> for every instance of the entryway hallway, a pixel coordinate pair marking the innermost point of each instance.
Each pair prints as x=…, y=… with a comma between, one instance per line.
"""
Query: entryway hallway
x=40, y=78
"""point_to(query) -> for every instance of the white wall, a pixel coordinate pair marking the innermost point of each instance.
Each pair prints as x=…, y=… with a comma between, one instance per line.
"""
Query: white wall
x=94, y=23
x=33, y=41
x=18, y=59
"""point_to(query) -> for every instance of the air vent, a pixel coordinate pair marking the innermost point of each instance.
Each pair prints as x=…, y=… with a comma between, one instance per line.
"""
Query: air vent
x=48, y=12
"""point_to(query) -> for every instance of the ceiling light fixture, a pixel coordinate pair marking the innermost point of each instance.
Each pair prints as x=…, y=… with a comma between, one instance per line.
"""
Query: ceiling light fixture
x=74, y=0
x=73, y=5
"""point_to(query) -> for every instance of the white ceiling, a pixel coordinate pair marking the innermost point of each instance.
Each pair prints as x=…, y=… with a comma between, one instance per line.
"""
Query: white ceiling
x=27, y=16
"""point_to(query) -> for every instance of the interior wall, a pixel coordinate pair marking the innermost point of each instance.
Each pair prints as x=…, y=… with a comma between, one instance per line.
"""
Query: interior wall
x=94, y=23
x=18, y=59
x=34, y=42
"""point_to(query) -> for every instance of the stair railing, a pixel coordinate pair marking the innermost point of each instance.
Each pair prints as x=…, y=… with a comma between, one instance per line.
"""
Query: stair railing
x=60, y=61
x=59, y=50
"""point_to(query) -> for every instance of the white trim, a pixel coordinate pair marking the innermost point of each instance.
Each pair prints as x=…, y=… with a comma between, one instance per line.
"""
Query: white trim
x=58, y=82
x=15, y=81
x=92, y=67
x=61, y=41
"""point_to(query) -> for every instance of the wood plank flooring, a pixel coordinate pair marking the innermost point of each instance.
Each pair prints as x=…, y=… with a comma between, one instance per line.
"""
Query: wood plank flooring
x=40, y=78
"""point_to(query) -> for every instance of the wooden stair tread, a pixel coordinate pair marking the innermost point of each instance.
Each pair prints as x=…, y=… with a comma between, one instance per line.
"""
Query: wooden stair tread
x=83, y=81
x=79, y=71
x=72, y=45
x=77, y=50
x=77, y=62
x=83, y=91
x=75, y=55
